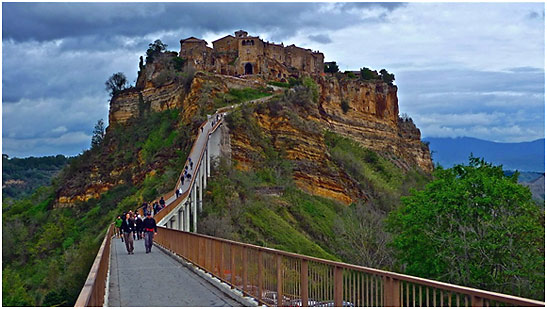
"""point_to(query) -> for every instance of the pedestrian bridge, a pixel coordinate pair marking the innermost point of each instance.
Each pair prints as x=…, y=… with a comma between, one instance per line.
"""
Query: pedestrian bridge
x=189, y=269
x=180, y=275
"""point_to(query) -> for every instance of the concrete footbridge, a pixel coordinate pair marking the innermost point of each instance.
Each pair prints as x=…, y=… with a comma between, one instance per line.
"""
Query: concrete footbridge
x=187, y=269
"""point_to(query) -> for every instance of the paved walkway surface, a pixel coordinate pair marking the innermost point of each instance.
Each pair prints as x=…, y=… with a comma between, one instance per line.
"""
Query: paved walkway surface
x=157, y=280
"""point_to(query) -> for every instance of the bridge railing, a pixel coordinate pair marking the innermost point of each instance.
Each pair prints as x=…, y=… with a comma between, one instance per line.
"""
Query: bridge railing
x=164, y=212
x=93, y=292
x=279, y=278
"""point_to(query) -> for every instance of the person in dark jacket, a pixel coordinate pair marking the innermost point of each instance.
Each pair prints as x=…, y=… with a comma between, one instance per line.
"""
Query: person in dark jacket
x=150, y=229
x=128, y=228
x=139, y=226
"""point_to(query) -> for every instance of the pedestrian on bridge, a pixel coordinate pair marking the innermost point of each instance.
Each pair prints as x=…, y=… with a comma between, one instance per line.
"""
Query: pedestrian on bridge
x=139, y=226
x=162, y=203
x=182, y=181
x=150, y=229
x=118, y=224
x=128, y=228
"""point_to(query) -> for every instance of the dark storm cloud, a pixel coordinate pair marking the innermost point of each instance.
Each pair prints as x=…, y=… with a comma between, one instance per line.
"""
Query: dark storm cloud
x=56, y=57
x=320, y=38
x=49, y=21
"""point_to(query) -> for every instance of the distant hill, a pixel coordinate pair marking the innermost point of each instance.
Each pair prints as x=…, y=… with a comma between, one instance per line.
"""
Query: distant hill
x=525, y=156
x=21, y=176
x=538, y=188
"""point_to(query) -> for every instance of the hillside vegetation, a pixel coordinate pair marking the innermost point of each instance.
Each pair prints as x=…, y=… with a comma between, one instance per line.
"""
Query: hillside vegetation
x=48, y=251
x=21, y=176
x=298, y=180
x=263, y=205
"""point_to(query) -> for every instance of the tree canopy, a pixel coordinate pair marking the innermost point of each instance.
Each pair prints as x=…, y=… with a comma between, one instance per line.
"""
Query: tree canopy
x=473, y=226
x=331, y=67
x=98, y=134
x=116, y=83
x=154, y=49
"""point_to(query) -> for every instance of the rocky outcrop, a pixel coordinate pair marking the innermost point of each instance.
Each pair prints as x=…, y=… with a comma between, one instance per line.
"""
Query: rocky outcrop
x=372, y=119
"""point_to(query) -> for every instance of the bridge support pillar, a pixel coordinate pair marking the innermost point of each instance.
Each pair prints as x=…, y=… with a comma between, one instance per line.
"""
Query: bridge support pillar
x=200, y=182
x=194, y=209
x=187, y=217
x=180, y=225
x=208, y=160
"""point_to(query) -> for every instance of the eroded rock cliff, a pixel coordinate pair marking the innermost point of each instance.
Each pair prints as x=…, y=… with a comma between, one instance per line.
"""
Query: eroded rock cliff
x=297, y=131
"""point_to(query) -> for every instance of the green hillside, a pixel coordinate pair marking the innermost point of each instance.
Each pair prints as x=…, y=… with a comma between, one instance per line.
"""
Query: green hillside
x=48, y=251
x=21, y=176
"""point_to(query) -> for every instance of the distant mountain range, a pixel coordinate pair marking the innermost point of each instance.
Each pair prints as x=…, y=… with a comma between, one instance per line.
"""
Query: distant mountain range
x=525, y=156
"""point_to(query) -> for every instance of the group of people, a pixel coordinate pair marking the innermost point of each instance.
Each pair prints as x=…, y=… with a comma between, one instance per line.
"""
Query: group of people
x=130, y=226
x=186, y=175
x=153, y=207
x=217, y=119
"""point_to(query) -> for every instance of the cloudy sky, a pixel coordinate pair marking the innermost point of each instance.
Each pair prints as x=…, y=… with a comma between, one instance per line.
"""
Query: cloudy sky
x=463, y=69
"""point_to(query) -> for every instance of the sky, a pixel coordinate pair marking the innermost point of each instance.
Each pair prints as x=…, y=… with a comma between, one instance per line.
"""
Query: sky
x=462, y=69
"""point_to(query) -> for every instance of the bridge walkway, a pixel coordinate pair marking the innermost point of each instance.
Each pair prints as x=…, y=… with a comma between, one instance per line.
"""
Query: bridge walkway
x=157, y=280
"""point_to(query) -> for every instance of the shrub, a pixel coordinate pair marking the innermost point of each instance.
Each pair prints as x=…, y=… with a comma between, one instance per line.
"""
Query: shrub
x=368, y=74
x=280, y=84
x=344, y=105
x=331, y=67
x=178, y=63
x=309, y=83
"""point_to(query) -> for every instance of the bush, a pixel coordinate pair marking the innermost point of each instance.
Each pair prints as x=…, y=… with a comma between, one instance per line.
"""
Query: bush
x=368, y=74
x=178, y=63
x=280, y=84
x=387, y=77
x=309, y=83
x=344, y=105
x=331, y=67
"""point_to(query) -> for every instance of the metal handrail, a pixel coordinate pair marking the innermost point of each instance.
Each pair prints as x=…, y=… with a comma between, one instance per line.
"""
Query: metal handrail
x=281, y=278
x=94, y=289
x=165, y=211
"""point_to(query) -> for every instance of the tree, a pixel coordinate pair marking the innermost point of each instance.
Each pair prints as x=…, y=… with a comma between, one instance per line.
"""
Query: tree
x=331, y=67
x=116, y=83
x=387, y=77
x=473, y=226
x=368, y=74
x=98, y=134
x=154, y=49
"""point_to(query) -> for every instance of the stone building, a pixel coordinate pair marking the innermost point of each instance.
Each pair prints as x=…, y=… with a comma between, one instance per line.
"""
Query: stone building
x=246, y=55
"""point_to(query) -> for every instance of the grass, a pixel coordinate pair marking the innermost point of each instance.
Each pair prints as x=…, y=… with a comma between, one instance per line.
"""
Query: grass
x=236, y=96
x=364, y=164
x=279, y=84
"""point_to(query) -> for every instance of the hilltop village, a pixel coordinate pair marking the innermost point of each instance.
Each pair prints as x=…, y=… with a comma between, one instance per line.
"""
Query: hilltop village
x=241, y=54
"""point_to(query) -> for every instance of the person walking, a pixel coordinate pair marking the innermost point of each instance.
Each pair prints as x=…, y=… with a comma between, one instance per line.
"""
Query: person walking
x=150, y=229
x=128, y=228
x=118, y=224
x=144, y=208
x=139, y=226
x=191, y=164
x=162, y=203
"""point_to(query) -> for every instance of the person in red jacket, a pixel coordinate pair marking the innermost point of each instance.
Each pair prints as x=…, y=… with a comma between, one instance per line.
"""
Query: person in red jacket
x=150, y=229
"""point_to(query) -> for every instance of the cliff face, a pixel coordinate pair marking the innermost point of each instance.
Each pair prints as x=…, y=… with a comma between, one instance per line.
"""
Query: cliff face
x=159, y=88
x=365, y=111
x=371, y=119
